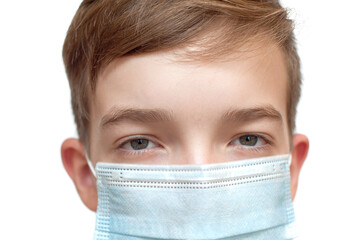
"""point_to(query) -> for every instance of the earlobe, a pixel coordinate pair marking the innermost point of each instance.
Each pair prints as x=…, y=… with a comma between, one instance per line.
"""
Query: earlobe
x=75, y=163
x=299, y=154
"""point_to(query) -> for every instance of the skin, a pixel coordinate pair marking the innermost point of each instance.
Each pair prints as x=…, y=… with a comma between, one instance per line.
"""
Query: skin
x=195, y=97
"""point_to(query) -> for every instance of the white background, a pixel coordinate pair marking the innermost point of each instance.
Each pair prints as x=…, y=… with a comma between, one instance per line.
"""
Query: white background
x=38, y=199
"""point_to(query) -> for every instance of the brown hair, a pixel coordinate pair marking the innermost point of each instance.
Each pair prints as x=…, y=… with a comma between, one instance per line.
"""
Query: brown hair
x=103, y=30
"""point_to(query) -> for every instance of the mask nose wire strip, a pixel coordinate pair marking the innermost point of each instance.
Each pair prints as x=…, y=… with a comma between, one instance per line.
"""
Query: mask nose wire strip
x=95, y=175
x=90, y=165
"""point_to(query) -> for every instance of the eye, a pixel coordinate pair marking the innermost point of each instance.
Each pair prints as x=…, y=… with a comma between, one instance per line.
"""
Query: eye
x=249, y=141
x=138, y=144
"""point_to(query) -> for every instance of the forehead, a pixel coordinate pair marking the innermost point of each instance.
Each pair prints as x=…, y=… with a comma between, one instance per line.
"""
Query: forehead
x=199, y=90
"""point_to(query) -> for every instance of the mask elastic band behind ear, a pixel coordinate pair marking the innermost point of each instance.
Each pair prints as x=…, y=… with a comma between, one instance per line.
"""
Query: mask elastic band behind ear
x=90, y=165
x=289, y=159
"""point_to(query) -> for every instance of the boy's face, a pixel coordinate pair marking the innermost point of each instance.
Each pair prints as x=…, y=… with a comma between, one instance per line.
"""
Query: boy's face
x=153, y=109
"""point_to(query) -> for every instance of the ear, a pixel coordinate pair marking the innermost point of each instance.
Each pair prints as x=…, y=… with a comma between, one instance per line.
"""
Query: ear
x=75, y=163
x=299, y=154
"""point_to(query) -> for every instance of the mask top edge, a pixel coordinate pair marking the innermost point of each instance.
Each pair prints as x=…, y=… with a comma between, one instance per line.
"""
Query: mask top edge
x=194, y=167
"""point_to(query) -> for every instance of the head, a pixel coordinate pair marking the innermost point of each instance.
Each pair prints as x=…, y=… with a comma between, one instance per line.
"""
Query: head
x=181, y=82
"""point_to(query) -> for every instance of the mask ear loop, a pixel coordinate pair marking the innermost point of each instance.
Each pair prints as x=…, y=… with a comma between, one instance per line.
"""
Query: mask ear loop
x=289, y=159
x=90, y=165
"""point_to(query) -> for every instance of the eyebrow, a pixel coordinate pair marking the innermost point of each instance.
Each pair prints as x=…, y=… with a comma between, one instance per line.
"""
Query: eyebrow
x=117, y=114
x=252, y=114
x=135, y=114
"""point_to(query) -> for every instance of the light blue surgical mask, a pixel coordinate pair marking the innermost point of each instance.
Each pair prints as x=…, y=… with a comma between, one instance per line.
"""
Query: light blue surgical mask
x=246, y=199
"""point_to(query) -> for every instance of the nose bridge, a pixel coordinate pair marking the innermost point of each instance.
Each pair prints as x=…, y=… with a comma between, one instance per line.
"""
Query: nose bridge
x=198, y=147
x=197, y=136
x=198, y=155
